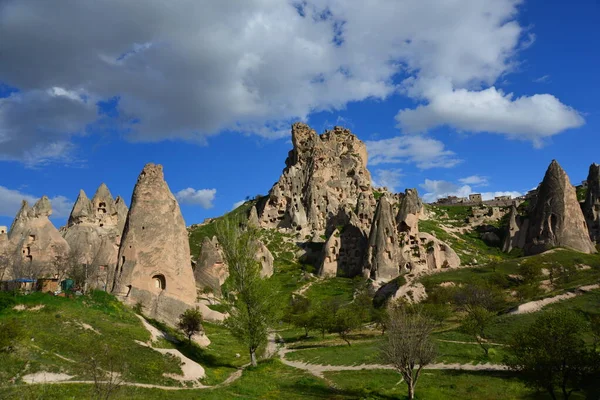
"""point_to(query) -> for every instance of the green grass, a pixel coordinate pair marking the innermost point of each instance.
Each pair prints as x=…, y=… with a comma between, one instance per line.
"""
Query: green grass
x=385, y=384
x=331, y=288
x=56, y=330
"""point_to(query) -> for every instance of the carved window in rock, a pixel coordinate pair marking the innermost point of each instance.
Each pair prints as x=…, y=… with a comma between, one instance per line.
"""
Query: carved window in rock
x=31, y=238
x=159, y=282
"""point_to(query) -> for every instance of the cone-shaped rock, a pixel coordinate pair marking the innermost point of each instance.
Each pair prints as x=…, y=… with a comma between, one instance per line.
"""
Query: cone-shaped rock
x=517, y=231
x=557, y=219
x=410, y=209
x=82, y=210
x=154, y=266
x=34, y=242
x=211, y=270
x=253, y=218
x=384, y=259
x=591, y=207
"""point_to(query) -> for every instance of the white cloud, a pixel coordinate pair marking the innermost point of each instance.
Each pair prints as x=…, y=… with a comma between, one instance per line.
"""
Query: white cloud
x=238, y=203
x=530, y=118
x=436, y=189
x=424, y=152
x=201, y=197
x=191, y=71
x=474, y=180
x=542, y=79
x=389, y=178
x=10, y=203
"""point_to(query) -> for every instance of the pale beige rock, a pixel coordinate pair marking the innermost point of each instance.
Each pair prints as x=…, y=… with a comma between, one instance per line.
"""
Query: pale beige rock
x=323, y=174
x=557, y=219
x=517, y=231
x=34, y=243
x=154, y=266
x=211, y=270
x=384, y=259
x=345, y=250
x=253, y=218
x=94, y=232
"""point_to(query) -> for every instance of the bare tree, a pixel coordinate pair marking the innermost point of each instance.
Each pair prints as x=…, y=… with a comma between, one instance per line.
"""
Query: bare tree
x=253, y=309
x=408, y=347
x=107, y=380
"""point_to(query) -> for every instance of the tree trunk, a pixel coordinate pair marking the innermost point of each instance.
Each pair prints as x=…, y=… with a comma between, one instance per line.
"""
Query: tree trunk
x=253, y=358
x=306, y=331
x=411, y=390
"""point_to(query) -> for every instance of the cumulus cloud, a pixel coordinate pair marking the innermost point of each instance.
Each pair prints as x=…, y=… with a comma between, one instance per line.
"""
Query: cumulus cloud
x=197, y=197
x=474, y=180
x=436, y=189
x=188, y=72
x=389, y=178
x=528, y=117
x=424, y=152
x=10, y=203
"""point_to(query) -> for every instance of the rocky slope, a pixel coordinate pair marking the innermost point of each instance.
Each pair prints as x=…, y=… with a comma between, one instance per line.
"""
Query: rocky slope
x=591, y=206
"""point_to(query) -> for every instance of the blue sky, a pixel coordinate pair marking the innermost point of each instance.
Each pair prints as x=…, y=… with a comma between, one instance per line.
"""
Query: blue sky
x=425, y=83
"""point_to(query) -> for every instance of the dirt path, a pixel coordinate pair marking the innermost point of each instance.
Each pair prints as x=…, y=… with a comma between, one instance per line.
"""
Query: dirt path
x=534, y=306
x=459, y=342
x=318, y=369
x=304, y=288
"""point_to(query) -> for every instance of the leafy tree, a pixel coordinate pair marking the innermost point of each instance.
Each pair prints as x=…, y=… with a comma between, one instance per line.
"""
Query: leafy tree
x=481, y=303
x=253, y=306
x=381, y=319
x=299, y=314
x=345, y=320
x=530, y=272
x=408, y=347
x=323, y=313
x=551, y=354
x=476, y=323
x=190, y=322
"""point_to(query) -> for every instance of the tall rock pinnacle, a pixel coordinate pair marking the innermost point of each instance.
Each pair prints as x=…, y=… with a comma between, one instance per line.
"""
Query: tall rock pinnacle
x=557, y=219
x=154, y=265
x=591, y=207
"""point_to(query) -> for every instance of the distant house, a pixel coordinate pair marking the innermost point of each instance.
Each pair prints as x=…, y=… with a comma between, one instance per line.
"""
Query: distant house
x=475, y=198
x=502, y=198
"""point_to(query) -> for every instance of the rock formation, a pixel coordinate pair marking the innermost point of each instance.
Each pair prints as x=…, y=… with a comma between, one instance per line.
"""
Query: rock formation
x=211, y=269
x=410, y=210
x=154, y=266
x=517, y=231
x=591, y=206
x=34, y=243
x=94, y=232
x=344, y=252
x=557, y=219
x=384, y=258
x=323, y=174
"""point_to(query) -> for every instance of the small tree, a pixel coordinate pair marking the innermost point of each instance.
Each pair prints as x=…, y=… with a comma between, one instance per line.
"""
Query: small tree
x=551, y=354
x=106, y=370
x=345, y=320
x=299, y=314
x=190, y=322
x=253, y=308
x=476, y=323
x=322, y=315
x=408, y=347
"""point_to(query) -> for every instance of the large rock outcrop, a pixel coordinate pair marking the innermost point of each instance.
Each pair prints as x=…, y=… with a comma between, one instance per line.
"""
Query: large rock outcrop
x=34, y=244
x=591, y=206
x=94, y=232
x=344, y=252
x=556, y=219
x=154, y=266
x=323, y=174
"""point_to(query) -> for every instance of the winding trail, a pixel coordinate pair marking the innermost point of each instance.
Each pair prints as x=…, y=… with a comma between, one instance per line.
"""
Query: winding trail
x=534, y=306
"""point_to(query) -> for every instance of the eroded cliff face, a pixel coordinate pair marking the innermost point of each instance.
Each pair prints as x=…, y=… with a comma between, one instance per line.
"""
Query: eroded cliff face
x=154, y=266
x=323, y=174
x=557, y=219
x=591, y=206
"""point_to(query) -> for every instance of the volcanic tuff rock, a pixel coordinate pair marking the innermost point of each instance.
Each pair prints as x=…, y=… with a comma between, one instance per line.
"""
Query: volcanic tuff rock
x=517, y=231
x=410, y=210
x=591, y=206
x=212, y=271
x=323, y=173
x=94, y=232
x=34, y=242
x=384, y=259
x=345, y=250
x=154, y=265
x=557, y=219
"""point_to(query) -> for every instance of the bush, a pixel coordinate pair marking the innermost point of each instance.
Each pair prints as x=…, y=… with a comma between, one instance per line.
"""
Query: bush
x=7, y=300
x=10, y=332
